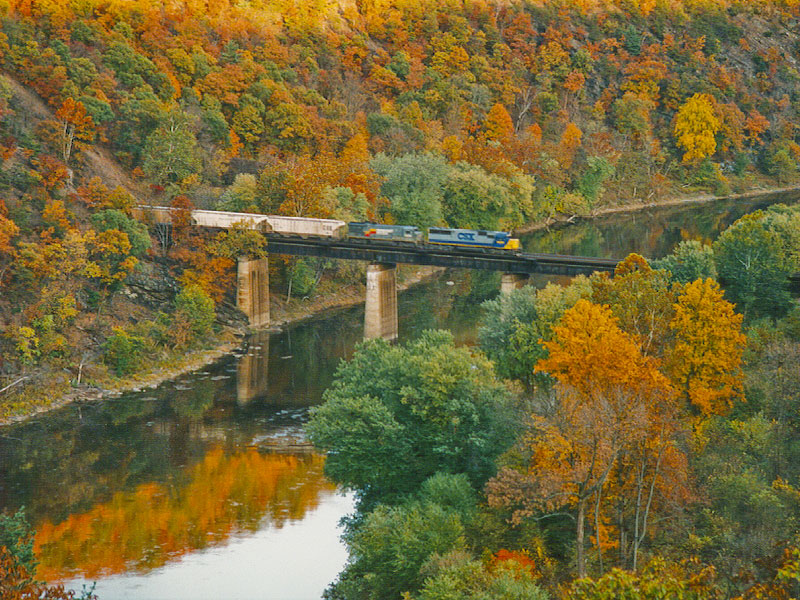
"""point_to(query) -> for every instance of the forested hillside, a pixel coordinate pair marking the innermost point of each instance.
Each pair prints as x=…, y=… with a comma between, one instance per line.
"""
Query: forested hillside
x=478, y=114
x=640, y=430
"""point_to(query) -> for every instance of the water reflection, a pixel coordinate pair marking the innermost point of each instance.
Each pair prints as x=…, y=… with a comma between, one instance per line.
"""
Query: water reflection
x=652, y=232
x=142, y=529
x=252, y=371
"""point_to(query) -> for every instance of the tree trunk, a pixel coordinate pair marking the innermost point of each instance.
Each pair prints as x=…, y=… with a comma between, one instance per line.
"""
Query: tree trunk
x=597, y=529
x=581, y=557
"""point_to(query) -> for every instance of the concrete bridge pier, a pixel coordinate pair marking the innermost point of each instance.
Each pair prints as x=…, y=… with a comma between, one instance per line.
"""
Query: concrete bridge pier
x=252, y=290
x=380, y=312
x=512, y=281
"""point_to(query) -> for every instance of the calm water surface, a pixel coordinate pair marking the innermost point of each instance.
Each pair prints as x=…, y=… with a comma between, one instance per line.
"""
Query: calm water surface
x=205, y=487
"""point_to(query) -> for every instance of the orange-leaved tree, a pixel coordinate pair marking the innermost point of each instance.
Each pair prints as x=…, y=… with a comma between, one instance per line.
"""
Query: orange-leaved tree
x=707, y=354
x=8, y=230
x=607, y=390
x=76, y=124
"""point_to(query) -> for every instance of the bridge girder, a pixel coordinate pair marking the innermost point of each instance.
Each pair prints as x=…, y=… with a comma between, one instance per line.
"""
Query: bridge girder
x=440, y=256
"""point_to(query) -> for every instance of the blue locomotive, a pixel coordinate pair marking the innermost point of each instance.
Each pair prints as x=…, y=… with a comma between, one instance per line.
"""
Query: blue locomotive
x=472, y=238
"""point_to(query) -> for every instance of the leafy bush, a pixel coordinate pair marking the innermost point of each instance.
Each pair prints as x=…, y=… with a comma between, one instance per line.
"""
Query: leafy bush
x=123, y=352
x=302, y=278
x=196, y=308
x=16, y=534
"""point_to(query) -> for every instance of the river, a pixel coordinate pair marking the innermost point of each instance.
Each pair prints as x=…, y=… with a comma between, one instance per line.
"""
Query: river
x=205, y=487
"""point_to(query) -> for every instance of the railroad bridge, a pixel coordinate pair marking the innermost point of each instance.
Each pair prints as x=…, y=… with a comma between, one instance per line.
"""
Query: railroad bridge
x=380, y=315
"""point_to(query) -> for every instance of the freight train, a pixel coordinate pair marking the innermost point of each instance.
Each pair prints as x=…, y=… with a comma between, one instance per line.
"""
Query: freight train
x=332, y=228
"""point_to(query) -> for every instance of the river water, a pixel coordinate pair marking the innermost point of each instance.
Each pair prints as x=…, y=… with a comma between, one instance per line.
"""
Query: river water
x=205, y=487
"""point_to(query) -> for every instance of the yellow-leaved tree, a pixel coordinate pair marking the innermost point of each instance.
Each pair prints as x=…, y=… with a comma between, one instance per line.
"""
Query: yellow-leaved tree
x=707, y=354
x=696, y=124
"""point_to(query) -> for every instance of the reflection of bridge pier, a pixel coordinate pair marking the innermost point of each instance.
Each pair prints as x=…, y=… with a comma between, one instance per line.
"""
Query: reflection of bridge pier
x=512, y=281
x=380, y=311
x=252, y=370
x=252, y=290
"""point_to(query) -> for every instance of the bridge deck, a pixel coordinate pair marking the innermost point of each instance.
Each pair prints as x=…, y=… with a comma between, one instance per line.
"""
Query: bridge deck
x=440, y=256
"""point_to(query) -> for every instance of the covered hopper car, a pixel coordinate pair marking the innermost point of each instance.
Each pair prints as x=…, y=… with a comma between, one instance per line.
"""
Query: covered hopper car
x=226, y=220
x=306, y=227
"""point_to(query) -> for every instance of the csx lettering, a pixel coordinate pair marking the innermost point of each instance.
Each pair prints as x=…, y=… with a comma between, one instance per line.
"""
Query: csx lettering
x=468, y=237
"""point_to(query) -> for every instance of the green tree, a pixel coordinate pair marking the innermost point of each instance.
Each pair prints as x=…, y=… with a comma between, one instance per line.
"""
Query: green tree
x=778, y=162
x=171, y=152
x=632, y=115
x=753, y=266
x=388, y=550
x=241, y=195
x=590, y=183
x=138, y=235
x=752, y=509
x=139, y=116
x=123, y=352
x=347, y=205
x=238, y=241
x=413, y=183
x=395, y=415
x=515, y=325
x=689, y=261
x=302, y=278
x=457, y=576
x=476, y=199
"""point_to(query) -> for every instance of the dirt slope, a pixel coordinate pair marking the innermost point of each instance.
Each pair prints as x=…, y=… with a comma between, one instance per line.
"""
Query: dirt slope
x=99, y=161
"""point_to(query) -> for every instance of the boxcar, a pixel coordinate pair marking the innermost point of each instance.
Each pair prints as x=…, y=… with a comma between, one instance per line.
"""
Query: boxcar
x=473, y=238
x=376, y=231
x=329, y=228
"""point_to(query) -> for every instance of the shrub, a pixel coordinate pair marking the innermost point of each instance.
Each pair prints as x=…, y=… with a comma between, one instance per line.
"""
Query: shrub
x=123, y=351
x=16, y=534
x=195, y=307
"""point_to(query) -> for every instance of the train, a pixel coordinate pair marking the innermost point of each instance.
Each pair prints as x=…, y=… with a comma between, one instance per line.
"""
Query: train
x=444, y=236
x=336, y=229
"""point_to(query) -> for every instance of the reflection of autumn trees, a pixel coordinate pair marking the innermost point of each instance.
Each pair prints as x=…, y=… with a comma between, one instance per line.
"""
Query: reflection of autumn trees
x=147, y=527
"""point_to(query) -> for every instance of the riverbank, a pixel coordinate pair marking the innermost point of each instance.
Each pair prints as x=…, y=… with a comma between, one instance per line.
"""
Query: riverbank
x=665, y=203
x=61, y=392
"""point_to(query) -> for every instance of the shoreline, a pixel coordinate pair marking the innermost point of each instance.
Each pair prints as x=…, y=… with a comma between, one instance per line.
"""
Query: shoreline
x=640, y=206
x=198, y=359
x=337, y=301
